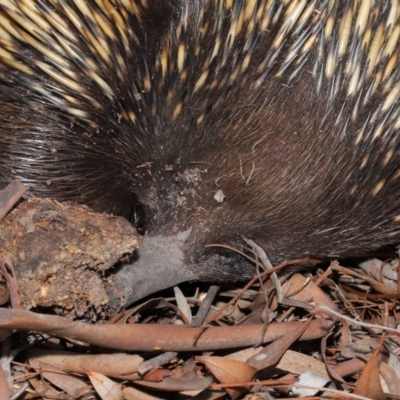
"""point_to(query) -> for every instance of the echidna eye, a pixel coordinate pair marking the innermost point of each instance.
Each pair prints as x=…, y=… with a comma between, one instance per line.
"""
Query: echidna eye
x=139, y=219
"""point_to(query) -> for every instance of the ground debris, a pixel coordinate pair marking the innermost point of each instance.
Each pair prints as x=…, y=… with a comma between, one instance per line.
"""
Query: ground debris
x=250, y=346
x=325, y=331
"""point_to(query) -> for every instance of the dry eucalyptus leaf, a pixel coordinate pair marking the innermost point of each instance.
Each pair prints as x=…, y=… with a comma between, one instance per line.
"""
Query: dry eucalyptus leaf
x=227, y=371
x=369, y=384
x=105, y=387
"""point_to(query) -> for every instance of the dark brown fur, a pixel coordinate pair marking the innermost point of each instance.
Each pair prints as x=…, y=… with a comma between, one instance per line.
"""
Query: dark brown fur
x=284, y=152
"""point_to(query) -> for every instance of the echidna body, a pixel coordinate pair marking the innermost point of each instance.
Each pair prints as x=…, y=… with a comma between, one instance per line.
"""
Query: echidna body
x=288, y=110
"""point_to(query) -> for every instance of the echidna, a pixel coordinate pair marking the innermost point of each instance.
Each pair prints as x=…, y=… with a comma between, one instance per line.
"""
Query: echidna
x=276, y=120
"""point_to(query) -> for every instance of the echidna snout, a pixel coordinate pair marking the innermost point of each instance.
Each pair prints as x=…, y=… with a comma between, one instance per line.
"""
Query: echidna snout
x=276, y=121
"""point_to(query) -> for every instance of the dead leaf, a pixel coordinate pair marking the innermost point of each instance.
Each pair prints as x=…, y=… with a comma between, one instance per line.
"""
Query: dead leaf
x=5, y=391
x=368, y=384
x=298, y=288
x=229, y=371
x=183, y=305
x=105, y=387
x=298, y=363
x=131, y=393
x=390, y=376
x=73, y=386
x=313, y=383
x=378, y=286
x=271, y=354
x=116, y=365
x=174, y=384
x=157, y=375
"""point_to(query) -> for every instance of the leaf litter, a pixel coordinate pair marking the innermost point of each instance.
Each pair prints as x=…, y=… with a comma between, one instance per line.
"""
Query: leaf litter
x=326, y=330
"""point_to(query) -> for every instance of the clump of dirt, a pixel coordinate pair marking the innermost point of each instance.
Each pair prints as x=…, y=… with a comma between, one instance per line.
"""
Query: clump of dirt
x=60, y=253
